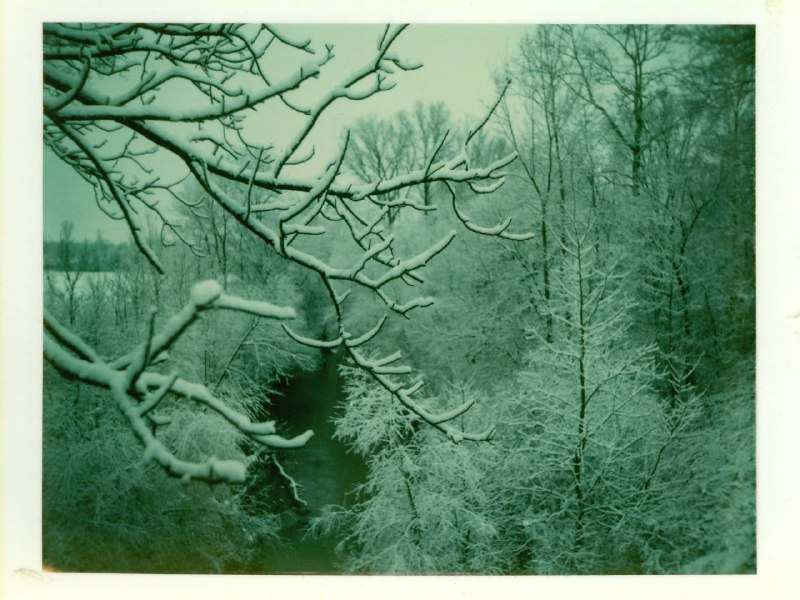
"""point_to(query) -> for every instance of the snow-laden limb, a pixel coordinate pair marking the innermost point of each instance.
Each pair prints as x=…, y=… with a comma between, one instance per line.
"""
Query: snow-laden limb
x=384, y=375
x=304, y=229
x=345, y=89
x=101, y=375
x=197, y=392
x=498, y=230
x=364, y=233
x=69, y=338
x=138, y=391
x=276, y=441
x=340, y=298
x=371, y=254
x=405, y=308
x=224, y=69
x=203, y=162
x=68, y=96
x=437, y=420
x=254, y=307
x=379, y=362
x=319, y=188
x=380, y=365
x=315, y=201
x=367, y=336
x=84, y=112
x=443, y=171
x=304, y=45
x=214, y=154
x=205, y=295
x=223, y=166
x=401, y=202
x=414, y=388
x=153, y=398
x=205, y=292
x=141, y=357
x=408, y=265
x=212, y=470
x=400, y=370
x=311, y=342
x=275, y=204
x=486, y=189
x=454, y=412
x=435, y=152
x=401, y=269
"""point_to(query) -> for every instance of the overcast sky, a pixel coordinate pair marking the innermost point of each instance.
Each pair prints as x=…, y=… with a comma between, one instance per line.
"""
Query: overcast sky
x=458, y=64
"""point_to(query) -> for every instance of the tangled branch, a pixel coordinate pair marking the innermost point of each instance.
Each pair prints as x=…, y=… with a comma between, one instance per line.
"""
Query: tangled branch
x=110, y=113
x=138, y=392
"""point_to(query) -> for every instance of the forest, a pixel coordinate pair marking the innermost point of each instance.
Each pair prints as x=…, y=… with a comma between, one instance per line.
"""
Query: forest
x=411, y=341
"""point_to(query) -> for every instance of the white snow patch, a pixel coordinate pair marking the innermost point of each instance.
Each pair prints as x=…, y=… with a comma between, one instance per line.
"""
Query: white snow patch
x=230, y=470
x=254, y=307
x=205, y=292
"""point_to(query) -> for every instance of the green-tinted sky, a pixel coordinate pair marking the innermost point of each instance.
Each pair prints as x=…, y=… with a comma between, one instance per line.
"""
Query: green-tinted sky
x=458, y=60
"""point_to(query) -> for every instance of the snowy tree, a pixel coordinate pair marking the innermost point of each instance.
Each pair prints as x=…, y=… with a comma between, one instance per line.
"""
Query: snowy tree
x=112, y=113
x=586, y=434
x=537, y=114
x=621, y=68
x=383, y=148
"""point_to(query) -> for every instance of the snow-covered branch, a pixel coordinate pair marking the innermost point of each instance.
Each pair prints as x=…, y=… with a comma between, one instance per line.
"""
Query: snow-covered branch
x=498, y=230
x=138, y=391
x=272, y=190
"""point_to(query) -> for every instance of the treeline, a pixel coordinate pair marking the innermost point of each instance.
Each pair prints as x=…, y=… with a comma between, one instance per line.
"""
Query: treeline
x=91, y=256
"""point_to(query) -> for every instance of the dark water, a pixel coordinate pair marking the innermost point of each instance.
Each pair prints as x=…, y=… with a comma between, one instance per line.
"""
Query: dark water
x=324, y=468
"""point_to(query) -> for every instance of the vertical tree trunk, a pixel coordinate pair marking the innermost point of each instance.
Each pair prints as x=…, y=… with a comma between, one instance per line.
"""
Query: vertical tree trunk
x=638, y=128
x=577, y=466
x=546, y=270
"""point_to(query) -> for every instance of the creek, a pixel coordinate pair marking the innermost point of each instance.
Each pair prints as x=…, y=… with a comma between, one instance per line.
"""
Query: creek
x=324, y=469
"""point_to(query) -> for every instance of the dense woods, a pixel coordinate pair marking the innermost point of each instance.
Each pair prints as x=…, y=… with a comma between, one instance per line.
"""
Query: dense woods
x=543, y=316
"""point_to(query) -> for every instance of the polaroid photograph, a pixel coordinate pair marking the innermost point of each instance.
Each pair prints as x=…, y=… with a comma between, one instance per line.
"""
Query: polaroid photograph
x=459, y=301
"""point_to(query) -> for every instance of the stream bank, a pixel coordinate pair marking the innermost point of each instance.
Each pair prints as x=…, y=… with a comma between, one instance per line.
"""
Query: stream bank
x=324, y=469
